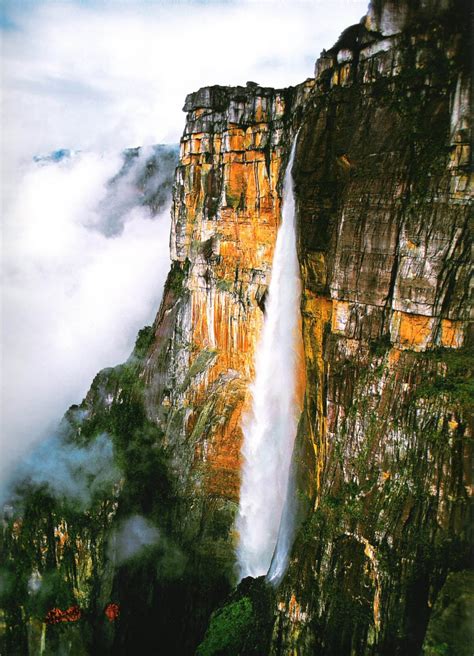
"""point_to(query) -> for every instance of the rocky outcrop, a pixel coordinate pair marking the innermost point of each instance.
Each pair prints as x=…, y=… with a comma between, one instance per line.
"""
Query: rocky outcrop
x=382, y=184
x=226, y=212
x=173, y=411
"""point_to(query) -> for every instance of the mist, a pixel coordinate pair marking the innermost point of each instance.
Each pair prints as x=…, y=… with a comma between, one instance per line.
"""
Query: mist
x=67, y=471
x=83, y=265
x=83, y=270
x=136, y=536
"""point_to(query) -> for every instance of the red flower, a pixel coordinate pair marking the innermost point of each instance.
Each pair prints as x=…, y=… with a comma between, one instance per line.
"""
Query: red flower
x=112, y=611
x=56, y=615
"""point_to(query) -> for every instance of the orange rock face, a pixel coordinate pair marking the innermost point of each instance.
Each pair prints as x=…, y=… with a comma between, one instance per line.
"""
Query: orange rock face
x=224, y=315
x=225, y=218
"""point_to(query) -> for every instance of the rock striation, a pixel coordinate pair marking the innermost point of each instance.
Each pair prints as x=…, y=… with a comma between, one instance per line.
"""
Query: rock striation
x=383, y=192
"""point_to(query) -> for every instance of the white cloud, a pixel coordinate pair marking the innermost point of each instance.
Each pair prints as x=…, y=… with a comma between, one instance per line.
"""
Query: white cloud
x=73, y=299
x=116, y=74
x=98, y=77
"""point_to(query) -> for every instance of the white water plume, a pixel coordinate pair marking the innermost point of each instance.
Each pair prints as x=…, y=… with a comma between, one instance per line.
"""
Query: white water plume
x=270, y=429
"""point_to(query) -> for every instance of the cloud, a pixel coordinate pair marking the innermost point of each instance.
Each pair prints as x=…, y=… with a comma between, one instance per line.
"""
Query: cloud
x=147, y=176
x=131, y=538
x=115, y=74
x=83, y=265
x=83, y=270
x=69, y=471
x=135, y=536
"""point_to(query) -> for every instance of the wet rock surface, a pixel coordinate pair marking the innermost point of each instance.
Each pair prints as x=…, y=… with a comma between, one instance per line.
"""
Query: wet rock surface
x=384, y=203
x=382, y=459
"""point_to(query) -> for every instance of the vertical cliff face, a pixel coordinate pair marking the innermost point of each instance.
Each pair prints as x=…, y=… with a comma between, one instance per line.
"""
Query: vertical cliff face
x=226, y=213
x=382, y=181
x=381, y=462
x=173, y=411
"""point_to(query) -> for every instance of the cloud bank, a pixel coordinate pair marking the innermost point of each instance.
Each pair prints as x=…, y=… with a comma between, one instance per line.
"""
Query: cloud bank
x=83, y=268
x=83, y=271
x=97, y=75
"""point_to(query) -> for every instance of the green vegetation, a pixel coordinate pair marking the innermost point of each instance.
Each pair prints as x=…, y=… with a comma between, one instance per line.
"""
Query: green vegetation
x=177, y=276
x=380, y=346
x=232, y=200
x=205, y=417
x=451, y=627
x=228, y=629
x=224, y=285
x=451, y=376
x=143, y=342
x=136, y=439
x=244, y=624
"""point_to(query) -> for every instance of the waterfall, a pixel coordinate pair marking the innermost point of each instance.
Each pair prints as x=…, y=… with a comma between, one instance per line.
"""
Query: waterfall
x=270, y=428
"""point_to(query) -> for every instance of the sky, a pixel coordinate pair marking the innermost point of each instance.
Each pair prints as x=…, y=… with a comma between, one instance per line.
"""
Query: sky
x=111, y=74
x=97, y=77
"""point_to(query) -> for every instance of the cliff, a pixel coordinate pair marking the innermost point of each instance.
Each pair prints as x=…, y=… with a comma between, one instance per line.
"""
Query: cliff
x=382, y=182
x=381, y=463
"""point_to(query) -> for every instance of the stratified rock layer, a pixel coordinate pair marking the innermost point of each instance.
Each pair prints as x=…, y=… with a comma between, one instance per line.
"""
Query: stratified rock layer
x=226, y=213
x=382, y=187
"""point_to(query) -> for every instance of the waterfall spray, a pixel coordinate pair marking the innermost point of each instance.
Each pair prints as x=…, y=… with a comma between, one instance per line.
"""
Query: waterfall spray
x=270, y=429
